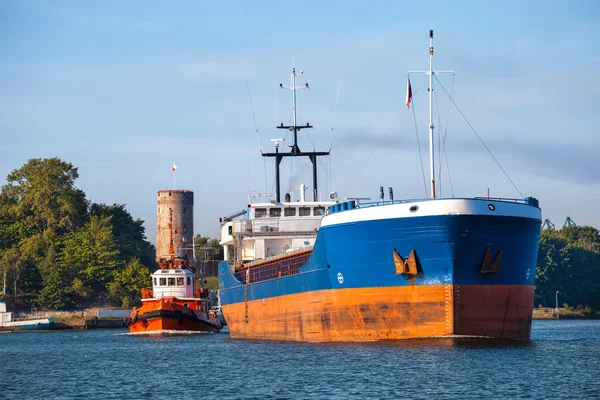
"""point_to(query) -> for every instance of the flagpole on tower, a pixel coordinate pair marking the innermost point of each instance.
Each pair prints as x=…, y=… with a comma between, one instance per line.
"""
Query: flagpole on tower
x=174, y=169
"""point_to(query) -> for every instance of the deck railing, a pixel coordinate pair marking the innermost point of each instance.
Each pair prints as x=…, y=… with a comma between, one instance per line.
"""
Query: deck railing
x=275, y=268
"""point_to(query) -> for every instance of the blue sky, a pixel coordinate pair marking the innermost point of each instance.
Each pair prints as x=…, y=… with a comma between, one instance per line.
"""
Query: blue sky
x=124, y=89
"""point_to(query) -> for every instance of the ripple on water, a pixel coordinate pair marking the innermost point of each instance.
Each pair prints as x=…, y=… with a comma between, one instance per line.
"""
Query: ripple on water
x=561, y=361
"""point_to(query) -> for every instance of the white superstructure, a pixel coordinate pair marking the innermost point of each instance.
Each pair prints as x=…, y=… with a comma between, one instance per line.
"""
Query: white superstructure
x=272, y=229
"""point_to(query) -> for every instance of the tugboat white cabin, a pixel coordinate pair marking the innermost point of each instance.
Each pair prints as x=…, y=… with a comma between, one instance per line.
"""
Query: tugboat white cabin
x=178, y=282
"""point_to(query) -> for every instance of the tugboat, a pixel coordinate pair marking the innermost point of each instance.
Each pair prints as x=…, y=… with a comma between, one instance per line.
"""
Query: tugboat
x=174, y=303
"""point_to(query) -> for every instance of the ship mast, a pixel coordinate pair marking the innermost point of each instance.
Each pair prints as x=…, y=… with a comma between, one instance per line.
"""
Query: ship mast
x=431, y=72
x=295, y=150
x=431, y=136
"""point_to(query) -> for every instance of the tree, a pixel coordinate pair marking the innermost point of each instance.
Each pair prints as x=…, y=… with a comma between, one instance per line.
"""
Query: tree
x=90, y=254
x=129, y=234
x=38, y=202
x=57, y=293
x=207, y=248
x=569, y=261
x=12, y=267
x=41, y=195
x=125, y=289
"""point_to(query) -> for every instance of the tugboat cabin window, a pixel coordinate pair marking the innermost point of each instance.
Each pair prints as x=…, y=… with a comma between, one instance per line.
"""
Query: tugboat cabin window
x=180, y=281
x=319, y=211
x=171, y=281
x=289, y=212
x=155, y=283
x=260, y=212
x=189, y=281
x=275, y=212
x=304, y=211
x=162, y=281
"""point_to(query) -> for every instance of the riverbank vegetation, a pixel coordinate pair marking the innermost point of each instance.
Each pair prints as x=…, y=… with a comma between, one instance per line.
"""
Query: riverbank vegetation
x=569, y=262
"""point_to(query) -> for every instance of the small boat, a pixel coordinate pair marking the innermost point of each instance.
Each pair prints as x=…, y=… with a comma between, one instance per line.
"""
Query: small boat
x=174, y=302
x=9, y=323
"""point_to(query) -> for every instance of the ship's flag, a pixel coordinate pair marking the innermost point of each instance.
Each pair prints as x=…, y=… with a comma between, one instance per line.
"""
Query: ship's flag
x=408, y=92
x=174, y=167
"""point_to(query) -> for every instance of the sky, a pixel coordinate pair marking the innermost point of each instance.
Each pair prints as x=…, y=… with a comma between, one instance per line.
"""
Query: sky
x=123, y=90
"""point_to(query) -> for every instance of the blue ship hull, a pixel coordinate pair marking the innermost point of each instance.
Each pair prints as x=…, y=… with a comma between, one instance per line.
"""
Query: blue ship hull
x=450, y=252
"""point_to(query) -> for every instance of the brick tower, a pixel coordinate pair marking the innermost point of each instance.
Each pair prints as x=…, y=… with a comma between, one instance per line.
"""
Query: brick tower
x=181, y=204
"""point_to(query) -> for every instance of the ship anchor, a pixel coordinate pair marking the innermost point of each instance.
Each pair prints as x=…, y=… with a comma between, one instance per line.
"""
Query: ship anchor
x=491, y=265
x=407, y=268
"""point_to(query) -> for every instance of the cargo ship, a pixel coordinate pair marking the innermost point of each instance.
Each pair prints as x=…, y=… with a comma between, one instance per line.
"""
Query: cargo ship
x=390, y=269
x=174, y=303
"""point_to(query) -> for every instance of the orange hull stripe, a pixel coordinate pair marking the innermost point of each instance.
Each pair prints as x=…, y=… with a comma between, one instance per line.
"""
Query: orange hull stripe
x=362, y=314
x=345, y=315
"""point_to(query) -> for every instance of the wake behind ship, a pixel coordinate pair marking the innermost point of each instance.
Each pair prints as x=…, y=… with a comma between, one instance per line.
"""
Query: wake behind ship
x=391, y=269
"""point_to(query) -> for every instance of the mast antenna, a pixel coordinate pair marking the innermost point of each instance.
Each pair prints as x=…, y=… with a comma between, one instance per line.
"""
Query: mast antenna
x=295, y=150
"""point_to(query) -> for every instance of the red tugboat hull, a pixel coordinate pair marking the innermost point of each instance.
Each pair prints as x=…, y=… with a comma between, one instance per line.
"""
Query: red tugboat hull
x=173, y=314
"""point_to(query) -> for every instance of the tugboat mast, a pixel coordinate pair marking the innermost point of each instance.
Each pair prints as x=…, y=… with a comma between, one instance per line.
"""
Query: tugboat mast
x=295, y=150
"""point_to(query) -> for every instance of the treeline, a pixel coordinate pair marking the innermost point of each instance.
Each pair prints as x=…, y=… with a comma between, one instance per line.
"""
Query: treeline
x=58, y=250
x=569, y=262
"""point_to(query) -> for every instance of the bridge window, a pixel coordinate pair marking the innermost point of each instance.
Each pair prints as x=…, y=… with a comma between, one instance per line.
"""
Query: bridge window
x=189, y=281
x=171, y=281
x=319, y=211
x=260, y=212
x=304, y=211
x=162, y=281
x=180, y=281
x=154, y=279
x=289, y=211
x=275, y=212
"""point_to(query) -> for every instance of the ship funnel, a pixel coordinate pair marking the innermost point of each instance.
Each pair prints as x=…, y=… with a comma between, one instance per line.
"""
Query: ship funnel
x=302, y=193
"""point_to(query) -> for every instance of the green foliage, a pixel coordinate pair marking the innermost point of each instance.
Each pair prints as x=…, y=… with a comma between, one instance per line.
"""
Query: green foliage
x=129, y=234
x=211, y=282
x=207, y=248
x=51, y=247
x=56, y=293
x=125, y=289
x=41, y=197
x=569, y=262
x=90, y=254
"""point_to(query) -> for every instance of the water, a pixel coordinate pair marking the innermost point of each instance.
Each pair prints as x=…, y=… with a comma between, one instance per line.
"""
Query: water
x=561, y=361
